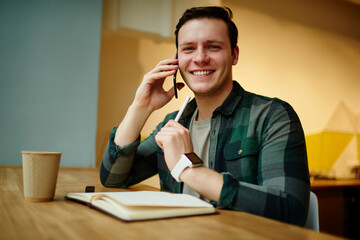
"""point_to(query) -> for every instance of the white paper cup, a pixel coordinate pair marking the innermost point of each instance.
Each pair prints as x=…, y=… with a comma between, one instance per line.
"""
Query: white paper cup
x=40, y=172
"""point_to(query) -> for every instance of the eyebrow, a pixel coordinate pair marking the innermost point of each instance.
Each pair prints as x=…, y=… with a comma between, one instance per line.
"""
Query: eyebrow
x=208, y=41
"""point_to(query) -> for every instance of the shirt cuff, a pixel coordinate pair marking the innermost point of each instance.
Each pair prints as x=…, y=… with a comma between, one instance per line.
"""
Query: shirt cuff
x=228, y=192
x=116, y=150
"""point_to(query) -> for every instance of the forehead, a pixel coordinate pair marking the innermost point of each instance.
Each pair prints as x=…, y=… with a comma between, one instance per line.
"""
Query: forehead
x=203, y=29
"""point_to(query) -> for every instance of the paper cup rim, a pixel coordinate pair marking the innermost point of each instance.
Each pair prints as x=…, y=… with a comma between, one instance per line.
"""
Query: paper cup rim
x=41, y=152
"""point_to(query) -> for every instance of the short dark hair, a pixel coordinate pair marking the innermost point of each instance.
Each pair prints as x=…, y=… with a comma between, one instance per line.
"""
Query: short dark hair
x=216, y=12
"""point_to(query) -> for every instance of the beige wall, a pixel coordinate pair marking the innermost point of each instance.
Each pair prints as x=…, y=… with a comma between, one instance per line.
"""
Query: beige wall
x=305, y=52
x=120, y=73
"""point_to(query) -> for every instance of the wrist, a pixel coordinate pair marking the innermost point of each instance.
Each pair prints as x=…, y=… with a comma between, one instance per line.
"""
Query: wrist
x=131, y=126
x=139, y=110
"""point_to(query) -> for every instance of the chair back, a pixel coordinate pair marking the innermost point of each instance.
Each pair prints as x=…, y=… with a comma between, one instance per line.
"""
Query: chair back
x=312, y=221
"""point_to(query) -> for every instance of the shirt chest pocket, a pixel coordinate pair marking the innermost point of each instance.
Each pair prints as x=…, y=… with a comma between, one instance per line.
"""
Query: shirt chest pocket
x=242, y=158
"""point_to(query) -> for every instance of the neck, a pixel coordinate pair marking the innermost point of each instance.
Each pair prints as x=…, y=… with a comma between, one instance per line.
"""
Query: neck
x=207, y=104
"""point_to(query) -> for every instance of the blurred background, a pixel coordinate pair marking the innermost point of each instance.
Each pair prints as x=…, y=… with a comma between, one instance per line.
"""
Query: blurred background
x=69, y=70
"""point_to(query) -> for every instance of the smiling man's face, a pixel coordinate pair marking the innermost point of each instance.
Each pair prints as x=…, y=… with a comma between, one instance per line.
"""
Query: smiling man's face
x=205, y=56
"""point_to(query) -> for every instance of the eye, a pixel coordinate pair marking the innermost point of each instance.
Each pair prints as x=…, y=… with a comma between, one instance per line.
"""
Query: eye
x=214, y=47
x=187, y=49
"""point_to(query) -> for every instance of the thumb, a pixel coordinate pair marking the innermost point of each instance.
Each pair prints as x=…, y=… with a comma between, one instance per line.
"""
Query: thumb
x=171, y=92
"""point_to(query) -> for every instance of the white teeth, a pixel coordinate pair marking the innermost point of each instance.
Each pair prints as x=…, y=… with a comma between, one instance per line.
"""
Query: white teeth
x=200, y=73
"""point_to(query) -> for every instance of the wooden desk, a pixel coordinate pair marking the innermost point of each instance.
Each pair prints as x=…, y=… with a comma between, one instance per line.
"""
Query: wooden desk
x=339, y=206
x=62, y=219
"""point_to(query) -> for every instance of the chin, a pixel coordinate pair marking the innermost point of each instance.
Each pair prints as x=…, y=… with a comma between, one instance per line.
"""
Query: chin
x=204, y=92
x=200, y=88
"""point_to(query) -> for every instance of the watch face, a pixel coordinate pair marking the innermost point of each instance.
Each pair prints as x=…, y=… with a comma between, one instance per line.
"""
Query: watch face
x=194, y=158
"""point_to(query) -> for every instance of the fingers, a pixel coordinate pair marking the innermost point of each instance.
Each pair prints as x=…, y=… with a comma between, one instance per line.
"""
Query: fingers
x=166, y=65
x=163, y=69
x=171, y=61
x=158, y=76
x=174, y=135
x=175, y=140
x=151, y=94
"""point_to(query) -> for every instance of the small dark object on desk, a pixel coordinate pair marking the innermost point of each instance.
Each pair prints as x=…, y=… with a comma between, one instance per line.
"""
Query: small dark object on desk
x=90, y=189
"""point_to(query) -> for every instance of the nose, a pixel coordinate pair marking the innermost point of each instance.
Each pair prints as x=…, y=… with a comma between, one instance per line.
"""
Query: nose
x=201, y=57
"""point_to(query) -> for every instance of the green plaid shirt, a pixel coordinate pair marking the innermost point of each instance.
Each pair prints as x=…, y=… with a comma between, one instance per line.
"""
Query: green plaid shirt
x=256, y=143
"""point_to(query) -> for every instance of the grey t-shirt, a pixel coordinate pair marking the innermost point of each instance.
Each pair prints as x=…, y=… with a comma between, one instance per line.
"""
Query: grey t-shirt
x=200, y=132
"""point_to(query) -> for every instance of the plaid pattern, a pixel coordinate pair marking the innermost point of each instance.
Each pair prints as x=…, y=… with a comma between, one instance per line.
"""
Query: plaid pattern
x=256, y=143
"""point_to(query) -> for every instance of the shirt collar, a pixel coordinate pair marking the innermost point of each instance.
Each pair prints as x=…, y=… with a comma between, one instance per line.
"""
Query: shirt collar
x=228, y=106
x=230, y=103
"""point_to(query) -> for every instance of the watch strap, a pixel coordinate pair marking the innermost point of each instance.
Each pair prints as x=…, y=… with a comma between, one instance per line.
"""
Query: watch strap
x=180, y=166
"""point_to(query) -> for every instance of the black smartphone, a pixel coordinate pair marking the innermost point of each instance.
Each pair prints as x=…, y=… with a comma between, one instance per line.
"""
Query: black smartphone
x=174, y=79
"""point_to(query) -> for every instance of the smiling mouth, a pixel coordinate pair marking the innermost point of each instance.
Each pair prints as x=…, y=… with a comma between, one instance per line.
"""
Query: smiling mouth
x=202, y=73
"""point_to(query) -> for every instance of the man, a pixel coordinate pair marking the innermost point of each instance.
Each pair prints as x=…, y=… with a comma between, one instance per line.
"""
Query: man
x=253, y=147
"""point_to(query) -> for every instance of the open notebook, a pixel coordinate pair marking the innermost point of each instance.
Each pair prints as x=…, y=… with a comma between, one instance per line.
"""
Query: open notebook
x=143, y=205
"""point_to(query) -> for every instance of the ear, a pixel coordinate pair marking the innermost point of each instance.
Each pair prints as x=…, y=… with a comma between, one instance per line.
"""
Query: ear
x=235, y=55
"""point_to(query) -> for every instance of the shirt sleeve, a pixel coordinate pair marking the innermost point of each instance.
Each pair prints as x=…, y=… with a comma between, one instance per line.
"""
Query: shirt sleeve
x=125, y=166
x=282, y=189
